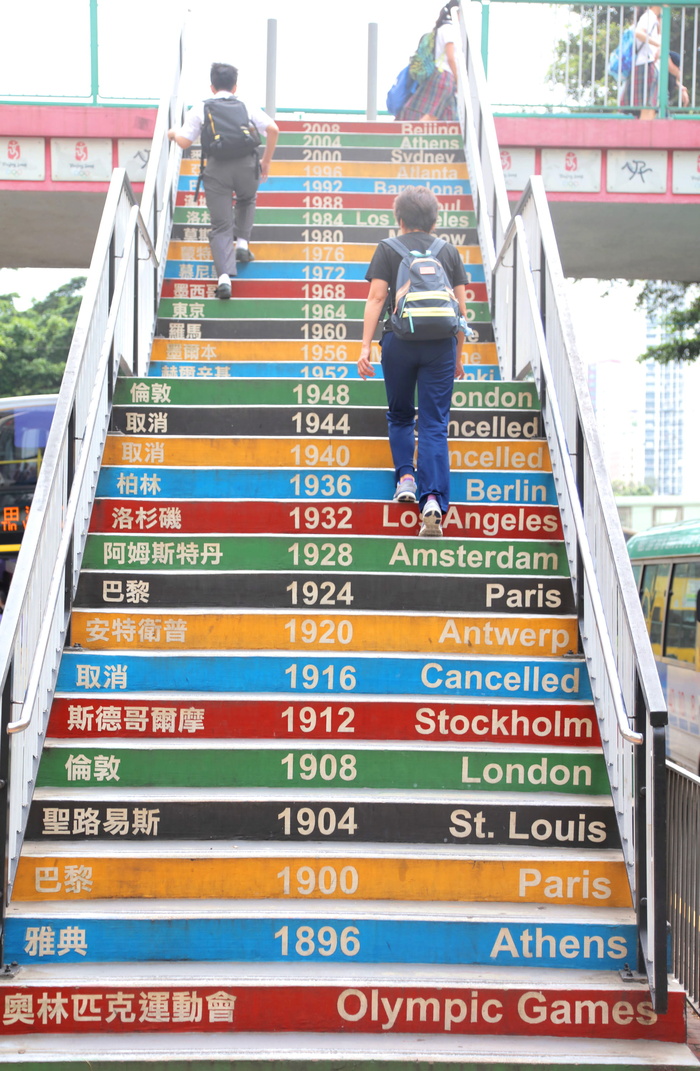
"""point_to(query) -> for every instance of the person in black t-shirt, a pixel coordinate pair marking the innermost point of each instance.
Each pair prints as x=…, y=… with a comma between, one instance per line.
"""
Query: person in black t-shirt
x=429, y=366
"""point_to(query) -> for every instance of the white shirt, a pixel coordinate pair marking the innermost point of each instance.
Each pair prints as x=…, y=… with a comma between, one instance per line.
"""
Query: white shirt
x=649, y=24
x=446, y=34
x=192, y=125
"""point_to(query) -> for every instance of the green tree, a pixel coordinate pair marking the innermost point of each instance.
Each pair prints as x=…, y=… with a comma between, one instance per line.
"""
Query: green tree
x=34, y=344
x=581, y=56
x=676, y=309
x=621, y=488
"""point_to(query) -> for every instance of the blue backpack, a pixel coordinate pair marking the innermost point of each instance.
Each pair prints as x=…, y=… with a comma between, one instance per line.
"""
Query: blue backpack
x=403, y=88
x=622, y=57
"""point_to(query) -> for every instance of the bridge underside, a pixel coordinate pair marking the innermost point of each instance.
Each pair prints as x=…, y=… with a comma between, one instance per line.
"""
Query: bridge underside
x=49, y=230
x=627, y=241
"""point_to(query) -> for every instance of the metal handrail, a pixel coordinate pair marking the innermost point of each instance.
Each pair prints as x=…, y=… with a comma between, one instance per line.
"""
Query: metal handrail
x=516, y=229
x=534, y=336
x=683, y=851
x=114, y=331
x=655, y=702
x=481, y=147
x=106, y=364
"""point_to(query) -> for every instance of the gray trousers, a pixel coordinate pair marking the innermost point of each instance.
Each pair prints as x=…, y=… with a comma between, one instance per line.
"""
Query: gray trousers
x=223, y=178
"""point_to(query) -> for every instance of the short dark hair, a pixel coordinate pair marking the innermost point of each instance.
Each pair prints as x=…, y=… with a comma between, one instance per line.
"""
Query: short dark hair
x=223, y=76
x=417, y=208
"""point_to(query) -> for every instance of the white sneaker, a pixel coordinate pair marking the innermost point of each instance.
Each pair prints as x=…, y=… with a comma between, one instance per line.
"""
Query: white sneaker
x=431, y=520
x=223, y=289
x=406, y=490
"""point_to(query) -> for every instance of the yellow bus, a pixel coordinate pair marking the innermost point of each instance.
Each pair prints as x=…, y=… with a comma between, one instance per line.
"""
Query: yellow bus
x=666, y=566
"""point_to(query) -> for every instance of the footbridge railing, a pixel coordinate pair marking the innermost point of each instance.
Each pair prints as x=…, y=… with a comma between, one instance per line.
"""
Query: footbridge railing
x=114, y=331
x=576, y=59
x=535, y=338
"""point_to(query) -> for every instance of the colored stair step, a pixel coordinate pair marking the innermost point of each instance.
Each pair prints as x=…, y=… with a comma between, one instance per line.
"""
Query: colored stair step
x=287, y=232
x=356, y=591
x=336, y=484
x=222, y=516
x=263, y=630
x=232, y=872
x=499, y=398
x=362, y=767
x=310, y=272
x=370, y=202
x=371, y=554
x=338, y=817
x=186, y=717
x=221, y=372
x=295, y=330
x=325, y=938
x=333, y=422
x=171, y=1001
x=446, y=171
x=349, y=154
x=339, y=184
x=470, y=678
x=302, y=449
x=247, y=287
x=301, y=216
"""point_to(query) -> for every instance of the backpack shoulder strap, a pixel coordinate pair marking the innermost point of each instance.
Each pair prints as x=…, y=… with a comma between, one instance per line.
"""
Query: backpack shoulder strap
x=397, y=245
x=436, y=246
x=237, y=100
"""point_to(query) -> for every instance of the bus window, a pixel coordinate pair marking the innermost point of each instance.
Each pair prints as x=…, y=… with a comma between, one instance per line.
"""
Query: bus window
x=680, y=625
x=24, y=429
x=653, y=595
x=636, y=573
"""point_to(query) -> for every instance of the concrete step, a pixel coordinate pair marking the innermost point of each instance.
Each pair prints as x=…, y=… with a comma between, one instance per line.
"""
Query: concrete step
x=299, y=1051
x=354, y=999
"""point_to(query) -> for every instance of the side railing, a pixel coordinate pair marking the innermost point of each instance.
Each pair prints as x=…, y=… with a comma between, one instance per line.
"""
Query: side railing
x=534, y=336
x=488, y=189
x=578, y=69
x=114, y=330
x=683, y=885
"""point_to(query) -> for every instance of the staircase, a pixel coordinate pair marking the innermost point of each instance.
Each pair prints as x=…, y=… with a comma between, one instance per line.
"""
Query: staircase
x=310, y=780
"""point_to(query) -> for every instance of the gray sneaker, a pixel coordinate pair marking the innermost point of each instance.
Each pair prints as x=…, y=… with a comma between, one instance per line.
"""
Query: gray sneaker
x=406, y=491
x=431, y=520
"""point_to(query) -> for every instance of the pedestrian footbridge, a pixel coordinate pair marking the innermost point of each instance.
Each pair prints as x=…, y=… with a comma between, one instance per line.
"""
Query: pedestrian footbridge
x=604, y=173
x=286, y=786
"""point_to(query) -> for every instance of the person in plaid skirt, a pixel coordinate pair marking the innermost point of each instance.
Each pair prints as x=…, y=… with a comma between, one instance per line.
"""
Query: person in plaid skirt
x=435, y=98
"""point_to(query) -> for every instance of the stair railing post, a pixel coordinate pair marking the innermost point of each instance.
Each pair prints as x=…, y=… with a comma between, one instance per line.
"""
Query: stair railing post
x=5, y=719
x=271, y=78
x=485, y=12
x=665, y=20
x=372, y=58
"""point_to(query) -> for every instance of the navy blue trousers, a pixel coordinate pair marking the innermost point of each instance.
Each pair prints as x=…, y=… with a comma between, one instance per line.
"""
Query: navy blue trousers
x=427, y=368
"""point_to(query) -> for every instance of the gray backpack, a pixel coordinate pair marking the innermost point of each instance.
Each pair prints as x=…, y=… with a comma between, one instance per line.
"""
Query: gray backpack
x=425, y=306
